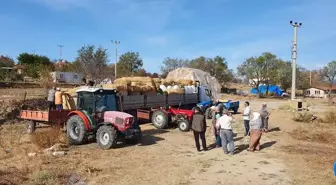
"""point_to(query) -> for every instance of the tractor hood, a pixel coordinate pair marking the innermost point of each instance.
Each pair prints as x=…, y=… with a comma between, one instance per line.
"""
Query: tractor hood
x=116, y=117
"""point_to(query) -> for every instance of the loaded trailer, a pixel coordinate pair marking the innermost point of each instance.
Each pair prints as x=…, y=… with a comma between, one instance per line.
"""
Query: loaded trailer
x=163, y=109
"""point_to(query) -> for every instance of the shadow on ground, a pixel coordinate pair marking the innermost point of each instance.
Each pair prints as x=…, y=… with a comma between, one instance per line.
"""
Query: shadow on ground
x=267, y=144
x=276, y=129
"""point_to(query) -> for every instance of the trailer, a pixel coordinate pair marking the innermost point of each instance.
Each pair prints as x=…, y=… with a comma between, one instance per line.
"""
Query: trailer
x=156, y=107
x=50, y=117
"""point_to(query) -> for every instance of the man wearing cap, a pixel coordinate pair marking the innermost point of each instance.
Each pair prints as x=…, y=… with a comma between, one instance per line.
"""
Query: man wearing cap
x=264, y=115
x=224, y=124
x=58, y=99
x=198, y=125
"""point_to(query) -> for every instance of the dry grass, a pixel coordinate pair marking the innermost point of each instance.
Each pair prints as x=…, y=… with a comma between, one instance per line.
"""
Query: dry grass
x=305, y=117
x=314, y=134
x=329, y=117
x=284, y=107
x=49, y=137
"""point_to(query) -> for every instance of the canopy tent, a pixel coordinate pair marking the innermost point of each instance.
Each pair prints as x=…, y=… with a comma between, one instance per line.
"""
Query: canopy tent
x=271, y=89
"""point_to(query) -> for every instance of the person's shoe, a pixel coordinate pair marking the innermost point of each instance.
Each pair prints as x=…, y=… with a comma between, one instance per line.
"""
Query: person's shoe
x=249, y=150
x=231, y=153
x=205, y=149
x=226, y=153
x=198, y=150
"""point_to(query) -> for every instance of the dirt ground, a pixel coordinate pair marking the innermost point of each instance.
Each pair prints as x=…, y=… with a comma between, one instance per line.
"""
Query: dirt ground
x=169, y=157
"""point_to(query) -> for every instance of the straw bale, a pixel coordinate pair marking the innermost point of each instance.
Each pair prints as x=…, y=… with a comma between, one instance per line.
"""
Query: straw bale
x=175, y=91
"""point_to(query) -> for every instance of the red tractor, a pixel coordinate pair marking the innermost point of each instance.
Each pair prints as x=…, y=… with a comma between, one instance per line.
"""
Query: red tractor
x=181, y=117
x=96, y=115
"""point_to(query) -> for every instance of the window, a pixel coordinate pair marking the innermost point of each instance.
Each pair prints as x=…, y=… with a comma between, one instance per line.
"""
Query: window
x=85, y=101
x=61, y=76
x=75, y=76
x=106, y=101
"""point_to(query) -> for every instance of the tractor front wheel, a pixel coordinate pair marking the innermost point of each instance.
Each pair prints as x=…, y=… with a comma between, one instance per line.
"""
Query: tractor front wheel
x=106, y=137
x=160, y=119
x=76, y=130
x=184, y=125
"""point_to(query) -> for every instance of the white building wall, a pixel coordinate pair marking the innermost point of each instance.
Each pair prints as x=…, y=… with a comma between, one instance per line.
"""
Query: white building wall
x=314, y=92
x=66, y=77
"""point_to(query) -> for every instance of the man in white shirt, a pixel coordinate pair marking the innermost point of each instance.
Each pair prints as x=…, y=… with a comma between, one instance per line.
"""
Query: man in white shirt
x=246, y=117
x=224, y=125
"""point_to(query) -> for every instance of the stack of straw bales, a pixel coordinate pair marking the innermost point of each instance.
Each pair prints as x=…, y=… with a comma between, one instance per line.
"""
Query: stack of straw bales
x=134, y=84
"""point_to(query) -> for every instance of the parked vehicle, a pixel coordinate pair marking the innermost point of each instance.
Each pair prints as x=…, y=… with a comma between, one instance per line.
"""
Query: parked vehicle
x=153, y=107
x=206, y=106
x=96, y=115
x=181, y=117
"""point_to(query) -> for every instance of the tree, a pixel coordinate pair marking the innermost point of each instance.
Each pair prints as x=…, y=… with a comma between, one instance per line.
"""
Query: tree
x=170, y=64
x=261, y=70
x=93, y=62
x=6, y=61
x=34, y=63
x=285, y=75
x=304, y=78
x=328, y=74
x=216, y=66
x=129, y=64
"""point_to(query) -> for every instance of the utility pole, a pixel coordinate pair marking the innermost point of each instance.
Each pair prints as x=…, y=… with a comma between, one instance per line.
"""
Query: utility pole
x=60, y=51
x=310, y=78
x=294, y=54
x=116, y=57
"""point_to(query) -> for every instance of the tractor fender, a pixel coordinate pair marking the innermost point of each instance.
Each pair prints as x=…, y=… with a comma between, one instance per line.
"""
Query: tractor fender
x=83, y=116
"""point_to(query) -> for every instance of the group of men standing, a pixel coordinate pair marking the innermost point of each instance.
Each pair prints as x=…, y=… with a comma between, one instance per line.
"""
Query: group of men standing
x=54, y=99
x=255, y=124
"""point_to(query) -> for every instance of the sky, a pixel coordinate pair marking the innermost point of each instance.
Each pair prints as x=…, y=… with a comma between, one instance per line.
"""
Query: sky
x=234, y=29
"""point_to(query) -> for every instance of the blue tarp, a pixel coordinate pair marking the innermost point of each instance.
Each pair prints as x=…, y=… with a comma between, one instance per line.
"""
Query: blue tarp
x=271, y=89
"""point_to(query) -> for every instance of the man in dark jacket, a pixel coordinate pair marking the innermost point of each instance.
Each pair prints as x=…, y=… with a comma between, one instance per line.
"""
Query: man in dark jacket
x=198, y=125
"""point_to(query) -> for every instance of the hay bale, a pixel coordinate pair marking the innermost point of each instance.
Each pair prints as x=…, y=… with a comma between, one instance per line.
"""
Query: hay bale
x=175, y=91
x=157, y=80
x=180, y=83
x=185, y=82
x=134, y=80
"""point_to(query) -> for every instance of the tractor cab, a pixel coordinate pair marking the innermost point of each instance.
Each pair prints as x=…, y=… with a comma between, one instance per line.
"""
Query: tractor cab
x=96, y=100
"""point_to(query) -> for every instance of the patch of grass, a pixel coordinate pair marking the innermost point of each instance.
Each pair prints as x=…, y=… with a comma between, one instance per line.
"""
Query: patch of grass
x=46, y=177
x=304, y=117
x=329, y=117
x=13, y=175
x=313, y=135
x=284, y=107
x=10, y=138
x=48, y=138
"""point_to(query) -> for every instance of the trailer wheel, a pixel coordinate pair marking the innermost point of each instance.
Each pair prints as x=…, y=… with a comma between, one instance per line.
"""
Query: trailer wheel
x=184, y=125
x=31, y=127
x=76, y=130
x=106, y=137
x=160, y=119
x=208, y=113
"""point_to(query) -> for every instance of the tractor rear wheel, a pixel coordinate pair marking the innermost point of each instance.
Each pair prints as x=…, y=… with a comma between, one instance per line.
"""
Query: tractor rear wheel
x=106, y=137
x=160, y=119
x=208, y=113
x=184, y=125
x=76, y=130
